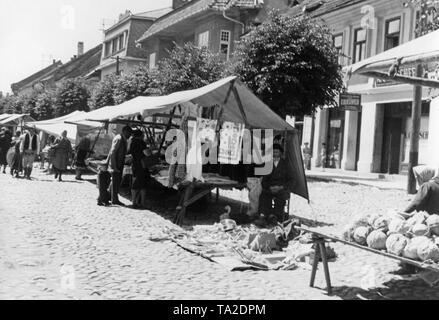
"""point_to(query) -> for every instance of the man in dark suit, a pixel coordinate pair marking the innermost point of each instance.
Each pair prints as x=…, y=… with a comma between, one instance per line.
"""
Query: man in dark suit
x=276, y=187
x=116, y=162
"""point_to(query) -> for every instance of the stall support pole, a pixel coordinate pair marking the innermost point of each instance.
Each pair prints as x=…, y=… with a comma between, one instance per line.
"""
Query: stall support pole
x=320, y=251
x=414, y=138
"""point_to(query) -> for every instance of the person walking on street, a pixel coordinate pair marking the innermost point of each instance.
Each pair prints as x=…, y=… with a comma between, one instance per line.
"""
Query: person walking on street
x=82, y=151
x=5, y=143
x=45, y=153
x=116, y=162
x=15, y=162
x=63, y=150
x=306, y=151
x=29, y=148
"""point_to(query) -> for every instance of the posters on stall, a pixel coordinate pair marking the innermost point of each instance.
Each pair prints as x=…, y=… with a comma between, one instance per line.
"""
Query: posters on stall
x=231, y=142
x=206, y=129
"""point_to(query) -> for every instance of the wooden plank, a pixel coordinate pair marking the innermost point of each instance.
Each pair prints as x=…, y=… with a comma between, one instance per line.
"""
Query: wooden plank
x=241, y=107
x=232, y=85
x=382, y=253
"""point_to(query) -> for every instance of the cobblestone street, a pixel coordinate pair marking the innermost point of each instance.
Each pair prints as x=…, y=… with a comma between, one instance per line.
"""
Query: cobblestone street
x=55, y=243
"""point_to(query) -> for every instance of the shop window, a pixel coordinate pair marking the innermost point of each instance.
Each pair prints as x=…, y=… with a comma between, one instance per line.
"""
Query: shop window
x=225, y=44
x=203, y=39
x=359, y=45
x=392, y=33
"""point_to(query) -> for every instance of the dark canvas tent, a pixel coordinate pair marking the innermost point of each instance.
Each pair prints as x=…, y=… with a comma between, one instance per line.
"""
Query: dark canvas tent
x=239, y=105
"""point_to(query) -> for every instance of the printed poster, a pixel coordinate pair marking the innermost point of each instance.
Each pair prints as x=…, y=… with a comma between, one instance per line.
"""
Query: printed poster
x=231, y=143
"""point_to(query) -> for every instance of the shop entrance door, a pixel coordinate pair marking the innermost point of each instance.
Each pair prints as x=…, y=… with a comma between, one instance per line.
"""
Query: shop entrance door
x=334, y=144
x=391, y=152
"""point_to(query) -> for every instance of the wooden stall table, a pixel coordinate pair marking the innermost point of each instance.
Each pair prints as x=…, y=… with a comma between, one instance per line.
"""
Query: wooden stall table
x=192, y=191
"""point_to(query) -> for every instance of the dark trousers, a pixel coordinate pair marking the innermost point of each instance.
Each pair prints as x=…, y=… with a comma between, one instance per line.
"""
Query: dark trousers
x=116, y=179
x=103, y=181
x=266, y=203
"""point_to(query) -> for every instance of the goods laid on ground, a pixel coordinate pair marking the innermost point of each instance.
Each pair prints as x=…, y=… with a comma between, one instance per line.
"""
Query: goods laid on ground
x=414, y=236
x=247, y=247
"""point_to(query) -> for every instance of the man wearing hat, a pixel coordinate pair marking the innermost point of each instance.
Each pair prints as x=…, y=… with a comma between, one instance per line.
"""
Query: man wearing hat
x=116, y=162
x=276, y=187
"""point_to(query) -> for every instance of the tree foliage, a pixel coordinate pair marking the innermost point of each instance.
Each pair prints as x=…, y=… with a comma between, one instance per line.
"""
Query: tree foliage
x=187, y=67
x=428, y=19
x=290, y=63
x=131, y=85
x=71, y=95
x=102, y=93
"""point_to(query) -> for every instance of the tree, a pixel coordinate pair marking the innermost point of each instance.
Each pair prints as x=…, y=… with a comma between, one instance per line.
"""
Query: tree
x=44, y=108
x=8, y=104
x=187, y=67
x=26, y=103
x=102, y=93
x=71, y=95
x=428, y=19
x=131, y=85
x=290, y=63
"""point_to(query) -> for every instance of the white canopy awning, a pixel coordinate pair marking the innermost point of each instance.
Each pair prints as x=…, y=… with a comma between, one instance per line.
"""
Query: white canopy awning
x=57, y=125
x=240, y=105
x=15, y=118
x=420, y=50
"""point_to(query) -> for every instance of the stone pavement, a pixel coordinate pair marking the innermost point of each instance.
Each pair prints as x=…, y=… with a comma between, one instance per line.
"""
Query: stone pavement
x=55, y=243
x=382, y=181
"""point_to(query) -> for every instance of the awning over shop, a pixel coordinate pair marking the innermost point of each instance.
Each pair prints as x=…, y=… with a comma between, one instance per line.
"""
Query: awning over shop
x=424, y=49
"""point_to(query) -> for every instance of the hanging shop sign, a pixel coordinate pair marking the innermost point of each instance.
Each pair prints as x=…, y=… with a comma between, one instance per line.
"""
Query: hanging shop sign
x=350, y=102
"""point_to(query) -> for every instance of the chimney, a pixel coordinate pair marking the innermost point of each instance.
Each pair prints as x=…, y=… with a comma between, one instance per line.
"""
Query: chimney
x=80, y=48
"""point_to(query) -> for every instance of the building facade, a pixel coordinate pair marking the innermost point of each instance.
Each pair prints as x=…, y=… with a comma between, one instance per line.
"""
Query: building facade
x=215, y=24
x=377, y=137
x=120, y=53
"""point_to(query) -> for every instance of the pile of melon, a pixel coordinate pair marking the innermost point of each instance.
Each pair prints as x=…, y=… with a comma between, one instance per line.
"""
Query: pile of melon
x=415, y=237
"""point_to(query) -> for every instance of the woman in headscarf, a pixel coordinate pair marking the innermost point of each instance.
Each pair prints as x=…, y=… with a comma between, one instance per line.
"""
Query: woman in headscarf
x=15, y=156
x=427, y=198
x=63, y=150
x=5, y=143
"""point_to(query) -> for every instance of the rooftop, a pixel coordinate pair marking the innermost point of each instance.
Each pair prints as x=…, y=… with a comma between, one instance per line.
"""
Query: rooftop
x=193, y=8
x=147, y=15
x=317, y=8
x=36, y=76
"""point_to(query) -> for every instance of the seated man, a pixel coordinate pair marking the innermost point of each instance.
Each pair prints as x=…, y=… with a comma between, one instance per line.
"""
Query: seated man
x=276, y=188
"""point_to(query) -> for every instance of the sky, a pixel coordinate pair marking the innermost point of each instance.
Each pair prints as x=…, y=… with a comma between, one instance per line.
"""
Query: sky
x=34, y=32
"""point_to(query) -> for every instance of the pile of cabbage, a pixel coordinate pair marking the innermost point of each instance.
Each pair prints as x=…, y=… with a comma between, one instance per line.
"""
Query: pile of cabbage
x=415, y=237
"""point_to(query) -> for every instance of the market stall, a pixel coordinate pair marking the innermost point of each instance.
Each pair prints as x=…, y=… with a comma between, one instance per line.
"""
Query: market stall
x=225, y=103
x=14, y=121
